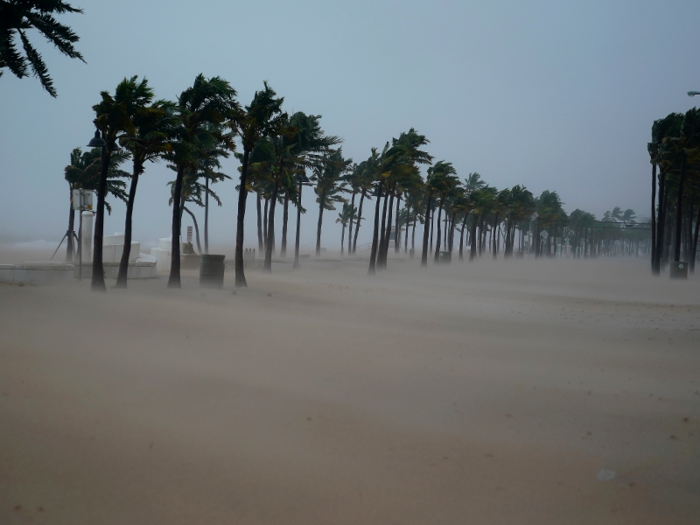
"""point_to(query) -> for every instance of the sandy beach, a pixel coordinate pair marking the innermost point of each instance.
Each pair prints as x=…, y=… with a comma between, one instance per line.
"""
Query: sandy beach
x=499, y=392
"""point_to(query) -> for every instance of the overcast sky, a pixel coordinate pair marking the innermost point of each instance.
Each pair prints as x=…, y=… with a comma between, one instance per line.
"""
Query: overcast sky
x=550, y=94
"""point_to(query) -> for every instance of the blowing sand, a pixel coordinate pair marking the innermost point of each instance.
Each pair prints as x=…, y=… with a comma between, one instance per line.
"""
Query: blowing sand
x=507, y=392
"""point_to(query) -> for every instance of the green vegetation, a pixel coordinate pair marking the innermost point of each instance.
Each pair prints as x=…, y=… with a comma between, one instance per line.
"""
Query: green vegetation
x=276, y=150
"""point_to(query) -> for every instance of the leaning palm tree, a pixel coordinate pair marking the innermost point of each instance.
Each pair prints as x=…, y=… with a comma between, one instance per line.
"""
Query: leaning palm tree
x=202, y=110
x=153, y=128
x=19, y=16
x=329, y=185
x=344, y=218
x=262, y=118
x=114, y=119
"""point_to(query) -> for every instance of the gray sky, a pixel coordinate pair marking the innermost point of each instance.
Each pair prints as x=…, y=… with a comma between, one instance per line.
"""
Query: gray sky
x=553, y=95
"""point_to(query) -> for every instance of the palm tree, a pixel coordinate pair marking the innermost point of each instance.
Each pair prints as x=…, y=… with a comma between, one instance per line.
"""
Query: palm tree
x=443, y=181
x=262, y=118
x=329, y=184
x=18, y=16
x=664, y=158
x=202, y=110
x=344, y=218
x=402, y=161
x=114, y=119
x=686, y=146
x=153, y=127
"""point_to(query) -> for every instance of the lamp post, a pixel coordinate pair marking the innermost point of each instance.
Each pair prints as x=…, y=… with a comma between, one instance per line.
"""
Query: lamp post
x=693, y=93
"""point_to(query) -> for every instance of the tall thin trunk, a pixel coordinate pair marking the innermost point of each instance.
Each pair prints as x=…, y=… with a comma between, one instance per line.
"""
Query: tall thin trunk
x=240, y=219
x=383, y=234
x=654, y=267
x=270, y=241
x=296, y=241
x=258, y=209
x=322, y=203
x=352, y=218
x=694, y=247
x=495, y=235
x=375, y=235
x=472, y=237
x=413, y=235
x=359, y=221
x=405, y=239
x=461, y=238
x=265, y=220
x=174, y=280
x=397, y=236
x=98, y=275
x=285, y=219
x=679, y=211
x=196, y=227
x=439, y=232
x=69, y=233
x=342, y=241
x=387, y=237
x=660, y=226
x=206, y=217
x=432, y=230
x=426, y=230
x=126, y=252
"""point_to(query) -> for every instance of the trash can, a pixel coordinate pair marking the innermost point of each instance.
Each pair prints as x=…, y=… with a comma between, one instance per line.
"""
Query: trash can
x=211, y=271
x=679, y=270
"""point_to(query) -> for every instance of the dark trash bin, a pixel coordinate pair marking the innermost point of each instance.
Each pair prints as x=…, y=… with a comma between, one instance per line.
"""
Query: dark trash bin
x=211, y=271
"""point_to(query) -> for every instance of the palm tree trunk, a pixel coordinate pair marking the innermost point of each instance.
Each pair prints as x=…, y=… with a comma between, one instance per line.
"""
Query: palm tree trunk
x=206, y=217
x=461, y=238
x=196, y=227
x=126, y=252
x=660, y=222
x=472, y=236
x=413, y=235
x=359, y=221
x=679, y=211
x=69, y=233
x=694, y=247
x=98, y=274
x=342, y=241
x=405, y=239
x=654, y=269
x=258, y=208
x=265, y=219
x=375, y=235
x=397, y=236
x=322, y=203
x=296, y=240
x=270, y=240
x=426, y=231
x=387, y=237
x=174, y=280
x=352, y=218
x=380, y=253
x=439, y=232
x=285, y=219
x=240, y=220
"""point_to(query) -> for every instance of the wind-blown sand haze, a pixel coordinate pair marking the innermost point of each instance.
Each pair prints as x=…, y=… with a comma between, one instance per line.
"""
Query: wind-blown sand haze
x=488, y=393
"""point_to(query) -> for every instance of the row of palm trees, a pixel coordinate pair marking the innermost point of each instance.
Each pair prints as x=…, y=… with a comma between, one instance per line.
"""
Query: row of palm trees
x=674, y=153
x=276, y=151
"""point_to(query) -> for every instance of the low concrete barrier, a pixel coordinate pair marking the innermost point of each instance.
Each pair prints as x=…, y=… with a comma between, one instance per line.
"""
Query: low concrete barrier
x=37, y=273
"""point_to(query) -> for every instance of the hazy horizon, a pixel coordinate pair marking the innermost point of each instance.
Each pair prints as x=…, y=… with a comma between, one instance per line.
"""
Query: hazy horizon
x=550, y=96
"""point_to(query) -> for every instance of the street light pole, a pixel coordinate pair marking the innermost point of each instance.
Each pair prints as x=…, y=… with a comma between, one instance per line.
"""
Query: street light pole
x=693, y=93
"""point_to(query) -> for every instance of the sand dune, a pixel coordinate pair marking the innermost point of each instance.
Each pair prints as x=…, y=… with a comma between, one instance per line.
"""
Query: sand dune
x=485, y=393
